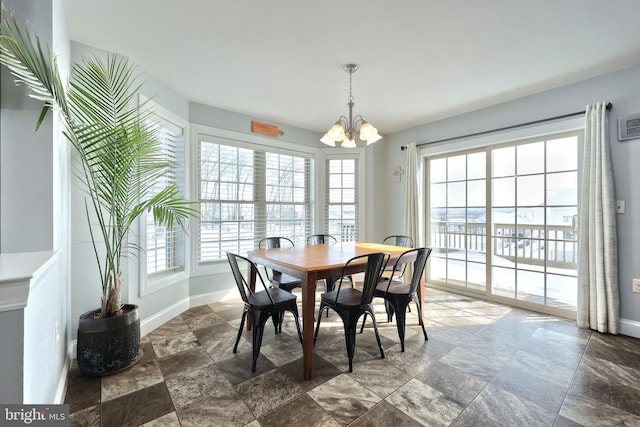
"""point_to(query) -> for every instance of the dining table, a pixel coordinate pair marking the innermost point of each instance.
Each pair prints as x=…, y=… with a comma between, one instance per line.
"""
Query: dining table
x=311, y=263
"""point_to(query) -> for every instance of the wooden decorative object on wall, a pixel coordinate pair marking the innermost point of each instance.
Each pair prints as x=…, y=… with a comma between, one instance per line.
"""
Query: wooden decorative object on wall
x=265, y=129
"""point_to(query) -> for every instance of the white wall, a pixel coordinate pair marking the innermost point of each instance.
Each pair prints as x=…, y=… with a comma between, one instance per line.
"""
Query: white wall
x=26, y=167
x=34, y=216
x=45, y=337
x=620, y=88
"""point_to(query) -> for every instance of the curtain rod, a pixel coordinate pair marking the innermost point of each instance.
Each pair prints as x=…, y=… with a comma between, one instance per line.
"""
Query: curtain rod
x=535, y=122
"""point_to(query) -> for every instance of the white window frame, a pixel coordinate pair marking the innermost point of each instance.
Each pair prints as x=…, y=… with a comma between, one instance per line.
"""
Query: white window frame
x=359, y=154
x=157, y=281
x=241, y=140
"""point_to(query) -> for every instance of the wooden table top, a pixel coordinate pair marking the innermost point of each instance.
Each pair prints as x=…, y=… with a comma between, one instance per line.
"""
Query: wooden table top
x=311, y=258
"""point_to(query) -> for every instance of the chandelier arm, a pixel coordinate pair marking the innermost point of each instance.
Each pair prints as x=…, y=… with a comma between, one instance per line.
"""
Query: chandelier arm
x=357, y=121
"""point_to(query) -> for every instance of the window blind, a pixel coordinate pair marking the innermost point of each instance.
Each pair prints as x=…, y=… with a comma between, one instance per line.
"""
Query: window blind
x=164, y=247
x=246, y=194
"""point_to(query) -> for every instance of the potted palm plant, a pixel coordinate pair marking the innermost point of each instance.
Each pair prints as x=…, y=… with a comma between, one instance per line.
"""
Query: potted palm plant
x=120, y=160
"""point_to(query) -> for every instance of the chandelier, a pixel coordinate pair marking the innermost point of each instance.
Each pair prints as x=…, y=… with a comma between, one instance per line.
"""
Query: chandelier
x=345, y=128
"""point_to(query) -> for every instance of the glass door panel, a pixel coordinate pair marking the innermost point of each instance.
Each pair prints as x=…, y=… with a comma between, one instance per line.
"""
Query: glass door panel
x=457, y=215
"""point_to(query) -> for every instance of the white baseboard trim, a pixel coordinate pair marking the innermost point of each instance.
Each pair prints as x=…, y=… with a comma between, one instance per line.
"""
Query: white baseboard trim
x=630, y=328
x=61, y=391
x=213, y=297
x=160, y=318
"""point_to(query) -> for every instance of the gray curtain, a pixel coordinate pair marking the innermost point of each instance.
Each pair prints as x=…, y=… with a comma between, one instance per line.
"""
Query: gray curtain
x=598, y=298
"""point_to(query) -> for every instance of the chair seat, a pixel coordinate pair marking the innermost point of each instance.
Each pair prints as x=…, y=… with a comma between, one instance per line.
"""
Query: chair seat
x=348, y=297
x=280, y=297
x=288, y=282
x=396, y=287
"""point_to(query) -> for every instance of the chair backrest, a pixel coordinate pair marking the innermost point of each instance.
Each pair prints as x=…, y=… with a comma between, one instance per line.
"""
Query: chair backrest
x=398, y=240
x=419, y=264
x=241, y=281
x=376, y=262
x=320, y=239
x=275, y=242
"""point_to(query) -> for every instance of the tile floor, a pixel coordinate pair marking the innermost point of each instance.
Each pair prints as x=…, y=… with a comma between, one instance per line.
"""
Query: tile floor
x=483, y=365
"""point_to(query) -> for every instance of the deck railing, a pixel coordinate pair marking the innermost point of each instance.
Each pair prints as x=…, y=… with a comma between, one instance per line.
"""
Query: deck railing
x=527, y=243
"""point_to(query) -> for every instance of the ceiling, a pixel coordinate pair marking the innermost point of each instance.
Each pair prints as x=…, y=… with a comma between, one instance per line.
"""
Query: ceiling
x=419, y=60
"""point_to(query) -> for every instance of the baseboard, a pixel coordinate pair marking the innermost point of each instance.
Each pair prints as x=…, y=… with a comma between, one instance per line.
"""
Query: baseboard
x=630, y=328
x=160, y=318
x=61, y=390
x=213, y=297
x=169, y=313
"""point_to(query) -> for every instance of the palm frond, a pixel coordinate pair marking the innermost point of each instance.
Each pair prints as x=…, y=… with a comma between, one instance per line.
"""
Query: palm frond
x=121, y=159
x=32, y=66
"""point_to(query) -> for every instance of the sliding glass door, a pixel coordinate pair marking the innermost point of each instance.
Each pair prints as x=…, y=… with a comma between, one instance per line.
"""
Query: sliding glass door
x=502, y=221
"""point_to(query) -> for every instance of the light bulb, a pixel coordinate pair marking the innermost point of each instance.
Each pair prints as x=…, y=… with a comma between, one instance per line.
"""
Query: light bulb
x=349, y=143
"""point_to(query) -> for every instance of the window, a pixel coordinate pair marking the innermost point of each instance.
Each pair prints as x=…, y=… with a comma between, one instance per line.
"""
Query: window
x=342, y=201
x=165, y=248
x=502, y=220
x=246, y=194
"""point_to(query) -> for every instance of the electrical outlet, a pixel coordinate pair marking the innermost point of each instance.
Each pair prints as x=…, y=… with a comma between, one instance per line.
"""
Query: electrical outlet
x=620, y=206
x=636, y=285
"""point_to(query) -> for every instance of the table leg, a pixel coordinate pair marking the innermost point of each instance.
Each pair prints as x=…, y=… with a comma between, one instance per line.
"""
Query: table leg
x=308, y=316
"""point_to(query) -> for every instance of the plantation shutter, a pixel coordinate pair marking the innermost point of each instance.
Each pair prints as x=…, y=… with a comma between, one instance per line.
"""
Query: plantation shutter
x=164, y=247
x=246, y=194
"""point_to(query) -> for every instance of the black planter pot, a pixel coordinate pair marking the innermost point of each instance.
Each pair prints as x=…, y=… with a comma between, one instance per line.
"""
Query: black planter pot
x=108, y=345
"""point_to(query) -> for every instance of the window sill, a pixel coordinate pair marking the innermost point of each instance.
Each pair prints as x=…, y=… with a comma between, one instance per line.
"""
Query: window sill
x=161, y=281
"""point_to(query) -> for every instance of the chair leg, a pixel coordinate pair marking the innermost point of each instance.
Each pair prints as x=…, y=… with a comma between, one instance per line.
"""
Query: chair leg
x=400, y=307
x=315, y=336
x=244, y=315
x=364, y=320
x=258, y=330
x=329, y=285
x=278, y=318
x=375, y=329
x=417, y=301
x=294, y=311
x=350, y=339
x=389, y=308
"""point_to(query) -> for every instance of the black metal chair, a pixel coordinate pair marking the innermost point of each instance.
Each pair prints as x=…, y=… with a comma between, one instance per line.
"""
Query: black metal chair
x=351, y=303
x=398, y=294
x=277, y=279
x=270, y=302
x=321, y=239
x=397, y=240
